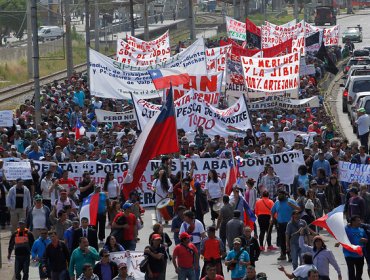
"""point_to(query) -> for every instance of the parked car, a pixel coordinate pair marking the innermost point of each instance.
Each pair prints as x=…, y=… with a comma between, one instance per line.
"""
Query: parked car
x=356, y=105
x=354, y=34
x=365, y=103
x=324, y=15
x=358, y=70
x=50, y=33
x=357, y=84
x=363, y=60
x=363, y=52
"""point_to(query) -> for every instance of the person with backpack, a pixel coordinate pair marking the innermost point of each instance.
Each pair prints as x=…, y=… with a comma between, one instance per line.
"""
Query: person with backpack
x=322, y=256
x=237, y=260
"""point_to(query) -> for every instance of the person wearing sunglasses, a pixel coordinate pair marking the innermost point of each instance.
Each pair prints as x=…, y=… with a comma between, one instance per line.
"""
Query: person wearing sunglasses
x=105, y=269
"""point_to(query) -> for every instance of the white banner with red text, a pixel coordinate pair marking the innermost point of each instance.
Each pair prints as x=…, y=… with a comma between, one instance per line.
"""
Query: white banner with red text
x=132, y=259
x=235, y=29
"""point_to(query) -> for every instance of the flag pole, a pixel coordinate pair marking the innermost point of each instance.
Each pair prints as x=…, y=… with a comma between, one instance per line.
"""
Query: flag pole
x=137, y=116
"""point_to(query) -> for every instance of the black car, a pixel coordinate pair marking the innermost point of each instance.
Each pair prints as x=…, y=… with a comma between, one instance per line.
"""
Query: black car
x=324, y=15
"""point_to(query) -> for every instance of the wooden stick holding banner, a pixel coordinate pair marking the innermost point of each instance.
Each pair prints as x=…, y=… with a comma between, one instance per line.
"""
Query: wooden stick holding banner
x=137, y=116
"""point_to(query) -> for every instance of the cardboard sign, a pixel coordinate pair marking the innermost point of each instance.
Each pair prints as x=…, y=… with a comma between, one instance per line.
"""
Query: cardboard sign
x=103, y=116
x=15, y=170
x=272, y=74
x=6, y=118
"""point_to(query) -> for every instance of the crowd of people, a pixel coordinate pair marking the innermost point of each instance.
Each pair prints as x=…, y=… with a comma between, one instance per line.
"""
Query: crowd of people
x=43, y=213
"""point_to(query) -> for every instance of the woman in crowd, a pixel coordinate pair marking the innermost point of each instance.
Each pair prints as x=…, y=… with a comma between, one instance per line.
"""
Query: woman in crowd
x=111, y=186
x=111, y=245
x=322, y=256
x=113, y=210
x=333, y=192
x=302, y=180
x=215, y=190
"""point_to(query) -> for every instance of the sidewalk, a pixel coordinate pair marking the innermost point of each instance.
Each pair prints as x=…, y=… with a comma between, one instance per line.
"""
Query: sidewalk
x=7, y=269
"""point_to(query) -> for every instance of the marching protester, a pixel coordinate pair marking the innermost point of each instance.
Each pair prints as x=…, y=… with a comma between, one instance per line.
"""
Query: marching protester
x=226, y=214
x=38, y=250
x=302, y=270
x=237, y=260
x=263, y=212
x=38, y=217
x=157, y=258
x=250, y=244
x=215, y=190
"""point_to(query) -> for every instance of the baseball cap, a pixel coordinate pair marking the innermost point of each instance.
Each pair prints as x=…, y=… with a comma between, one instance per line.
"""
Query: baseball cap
x=184, y=235
x=156, y=237
x=126, y=206
x=38, y=197
x=361, y=110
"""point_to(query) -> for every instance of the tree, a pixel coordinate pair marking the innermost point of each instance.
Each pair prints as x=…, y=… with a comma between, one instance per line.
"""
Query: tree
x=12, y=17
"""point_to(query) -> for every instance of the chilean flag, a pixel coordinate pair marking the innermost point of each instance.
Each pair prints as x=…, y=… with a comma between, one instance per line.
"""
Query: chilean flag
x=89, y=208
x=79, y=129
x=333, y=222
x=164, y=78
x=158, y=137
x=232, y=175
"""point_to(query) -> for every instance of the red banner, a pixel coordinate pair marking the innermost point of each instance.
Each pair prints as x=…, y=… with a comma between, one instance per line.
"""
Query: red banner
x=283, y=48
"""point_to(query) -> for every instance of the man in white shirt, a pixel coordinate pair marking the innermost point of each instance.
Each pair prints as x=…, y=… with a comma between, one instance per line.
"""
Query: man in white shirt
x=363, y=124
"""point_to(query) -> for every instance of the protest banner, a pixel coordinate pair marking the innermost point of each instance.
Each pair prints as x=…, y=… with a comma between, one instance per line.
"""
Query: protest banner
x=132, y=259
x=103, y=116
x=193, y=111
x=129, y=55
x=6, y=118
x=208, y=85
x=273, y=35
x=285, y=165
x=162, y=41
x=253, y=33
x=330, y=35
x=272, y=74
x=14, y=170
x=235, y=29
x=216, y=58
x=354, y=172
x=285, y=103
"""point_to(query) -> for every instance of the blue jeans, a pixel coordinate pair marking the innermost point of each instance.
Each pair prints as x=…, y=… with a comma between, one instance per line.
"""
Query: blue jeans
x=22, y=263
x=295, y=253
x=186, y=273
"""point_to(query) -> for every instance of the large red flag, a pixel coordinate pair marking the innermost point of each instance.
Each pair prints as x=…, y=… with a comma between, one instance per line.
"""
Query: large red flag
x=158, y=137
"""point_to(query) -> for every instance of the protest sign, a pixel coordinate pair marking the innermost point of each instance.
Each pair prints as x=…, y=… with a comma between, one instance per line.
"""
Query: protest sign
x=15, y=170
x=162, y=41
x=208, y=85
x=235, y=29
x=331, y=36
x=193, y=111
x=132, y=259
x=129, y=55
x=216, y=58
x=6, y=118
x=253, y=31
x=104, y=116
x=285, y=165
x=290, y=136
x=272, y=74
x=285, y=103
x=273, y=35
x=354, y=172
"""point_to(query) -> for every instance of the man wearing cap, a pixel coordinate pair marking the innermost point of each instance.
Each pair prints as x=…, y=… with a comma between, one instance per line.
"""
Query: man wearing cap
x=363, y=124
x=104, y=157
x=212, y=249
x=185, y=258
x=128, y=226
x=21, y=241
x=284, y=208
x=38, y=250
x=64, y=200
x=18, y=201
x=237, y=260
x=38, y=217
x=122, y=272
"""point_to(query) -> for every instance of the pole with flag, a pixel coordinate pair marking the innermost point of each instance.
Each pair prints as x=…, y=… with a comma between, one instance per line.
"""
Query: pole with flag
x=158, y=137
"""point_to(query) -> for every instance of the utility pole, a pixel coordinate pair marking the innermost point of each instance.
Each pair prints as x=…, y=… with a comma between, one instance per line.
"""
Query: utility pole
x=29, y=41
x=97, y=25
x=132, y=20
x=87, y=30
x=235, y=9
x=36, y=77
x=295, y=12
x=146, y=26
x=191, y=21
x=264, y=10
x=68, y=39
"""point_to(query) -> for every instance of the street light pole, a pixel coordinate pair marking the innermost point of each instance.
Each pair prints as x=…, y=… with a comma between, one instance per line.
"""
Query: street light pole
x=29, y=41
x=191, y=21
x=87, y=30
x=97, y=25
x=132, y=18
x=146, y=26
x=36, y=76
x=68, y=39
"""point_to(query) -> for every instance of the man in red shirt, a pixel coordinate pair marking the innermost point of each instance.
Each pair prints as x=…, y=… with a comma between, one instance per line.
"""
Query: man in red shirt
x=183, y=194
x=212, y=250
x=128, y=224
x=211, y=273
x=185, y=257
x=65, y=182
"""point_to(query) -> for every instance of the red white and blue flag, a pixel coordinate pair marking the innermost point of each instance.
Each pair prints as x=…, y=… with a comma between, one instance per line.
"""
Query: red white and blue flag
x=165, y=77
x=232, y=175
x=334, y=223
x=158, y=137
x=79, y=129
x=89, y=208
